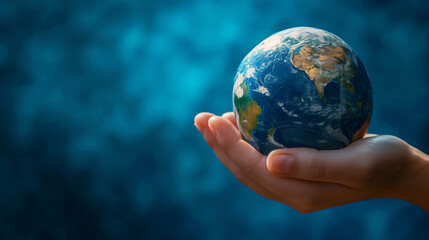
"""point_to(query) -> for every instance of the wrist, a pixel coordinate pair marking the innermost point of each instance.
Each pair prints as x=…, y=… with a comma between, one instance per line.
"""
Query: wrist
x=414, y=182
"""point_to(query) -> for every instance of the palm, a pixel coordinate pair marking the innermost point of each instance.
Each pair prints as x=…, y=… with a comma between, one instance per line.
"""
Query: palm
x=318, y=188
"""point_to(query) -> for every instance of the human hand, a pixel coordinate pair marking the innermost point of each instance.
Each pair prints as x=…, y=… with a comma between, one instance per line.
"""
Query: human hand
x=309, y=180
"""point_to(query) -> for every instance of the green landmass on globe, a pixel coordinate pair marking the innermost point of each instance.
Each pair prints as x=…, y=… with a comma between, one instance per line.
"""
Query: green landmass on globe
x=248, y=110
x=302, y=87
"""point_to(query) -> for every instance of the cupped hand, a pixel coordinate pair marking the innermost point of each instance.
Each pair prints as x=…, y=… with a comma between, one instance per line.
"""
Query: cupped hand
x=309, y=180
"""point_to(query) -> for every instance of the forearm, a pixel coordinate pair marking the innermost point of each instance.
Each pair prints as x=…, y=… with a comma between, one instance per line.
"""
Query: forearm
x=414, y=187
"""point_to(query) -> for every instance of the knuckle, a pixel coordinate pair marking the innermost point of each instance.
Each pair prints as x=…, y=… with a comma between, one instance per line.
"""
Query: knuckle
x=387, y=143
x=210, y=141
x=316, y=168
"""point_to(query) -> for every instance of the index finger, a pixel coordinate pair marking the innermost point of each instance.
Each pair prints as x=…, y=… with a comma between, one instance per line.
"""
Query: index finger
x=229, y=138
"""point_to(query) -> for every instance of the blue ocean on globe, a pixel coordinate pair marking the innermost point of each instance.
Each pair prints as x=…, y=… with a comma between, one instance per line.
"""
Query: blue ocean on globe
x=302, y=87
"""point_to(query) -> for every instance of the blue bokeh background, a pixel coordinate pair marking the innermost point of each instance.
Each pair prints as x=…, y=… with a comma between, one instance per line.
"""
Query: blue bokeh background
x=97, y=100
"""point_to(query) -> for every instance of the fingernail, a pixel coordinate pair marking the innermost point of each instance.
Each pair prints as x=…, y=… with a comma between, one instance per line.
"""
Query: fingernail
x=281, y=163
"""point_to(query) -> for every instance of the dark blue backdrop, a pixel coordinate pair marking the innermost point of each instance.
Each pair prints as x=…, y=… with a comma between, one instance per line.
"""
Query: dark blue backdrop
x=97, y=100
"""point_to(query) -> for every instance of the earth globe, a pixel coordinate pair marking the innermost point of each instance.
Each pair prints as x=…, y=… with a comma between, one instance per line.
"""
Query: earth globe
x=302, y=87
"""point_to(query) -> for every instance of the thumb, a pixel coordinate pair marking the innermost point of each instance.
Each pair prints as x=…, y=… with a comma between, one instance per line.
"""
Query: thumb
x=347, y=166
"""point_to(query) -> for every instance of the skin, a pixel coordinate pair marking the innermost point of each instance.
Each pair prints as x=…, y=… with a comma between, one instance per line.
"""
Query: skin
x=310, y=180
